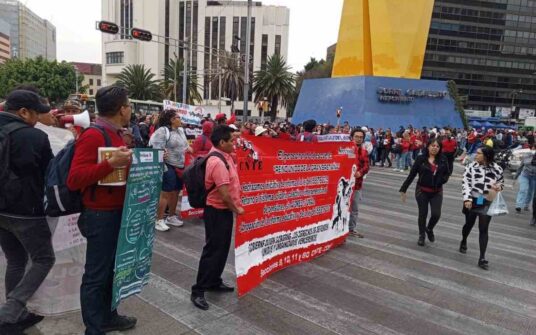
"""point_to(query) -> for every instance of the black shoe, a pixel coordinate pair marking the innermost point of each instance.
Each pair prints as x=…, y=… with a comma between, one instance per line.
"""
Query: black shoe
x=430, y=234
x=222, y=288
x=120, y=323
x=199, y=302
x=421, y=241
x=463, y=247
x=483, y=264
x=533, y=221
x=518, y=210
x=29, y=320
x=11, y=329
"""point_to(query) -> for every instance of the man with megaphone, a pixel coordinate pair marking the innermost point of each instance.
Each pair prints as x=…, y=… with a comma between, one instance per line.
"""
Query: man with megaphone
x=72, y=119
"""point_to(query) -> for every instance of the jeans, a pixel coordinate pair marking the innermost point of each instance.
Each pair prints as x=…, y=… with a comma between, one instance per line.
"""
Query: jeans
x=527, y=185
x=22, y=239
x=101, y=229
x=425, y=199
x=218, y=234
x=354, y=210
x=402, y=161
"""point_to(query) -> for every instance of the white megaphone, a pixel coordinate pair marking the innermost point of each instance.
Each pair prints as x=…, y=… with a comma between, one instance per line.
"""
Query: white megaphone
x=80, y=120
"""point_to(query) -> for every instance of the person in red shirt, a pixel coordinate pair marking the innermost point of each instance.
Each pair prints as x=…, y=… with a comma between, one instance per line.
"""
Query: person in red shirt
x=405, y=146
x=202, y=144
x=362, y=163
x=100, y=220
x=222, y=202
x=449, y=146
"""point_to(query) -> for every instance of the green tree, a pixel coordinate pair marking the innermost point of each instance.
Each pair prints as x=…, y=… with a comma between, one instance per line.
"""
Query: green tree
x=276, y=83
x=139, y=82
x=459, y=101
x=54, y=80
x=173, y=71
x=232, y=77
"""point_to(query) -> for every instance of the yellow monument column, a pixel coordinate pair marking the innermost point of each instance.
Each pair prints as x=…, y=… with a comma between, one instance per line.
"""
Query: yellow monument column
x=383, y=38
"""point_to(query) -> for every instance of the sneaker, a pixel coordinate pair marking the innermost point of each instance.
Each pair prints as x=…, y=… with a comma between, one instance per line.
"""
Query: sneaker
x=533, y=222
x=120, y=323
x=356, y=234
x=161, y=225
x=518, y=210
x=396, y=170
x=174, y=221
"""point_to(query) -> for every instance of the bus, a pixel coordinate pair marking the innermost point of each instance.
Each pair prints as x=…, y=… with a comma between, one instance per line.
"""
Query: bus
x=146, y=107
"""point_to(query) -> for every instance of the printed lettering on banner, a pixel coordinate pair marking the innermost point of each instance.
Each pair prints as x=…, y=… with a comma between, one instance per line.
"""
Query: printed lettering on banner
x=296, y=198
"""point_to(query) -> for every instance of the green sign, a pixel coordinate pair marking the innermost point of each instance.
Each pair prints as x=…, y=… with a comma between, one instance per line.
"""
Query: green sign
x=135, y=244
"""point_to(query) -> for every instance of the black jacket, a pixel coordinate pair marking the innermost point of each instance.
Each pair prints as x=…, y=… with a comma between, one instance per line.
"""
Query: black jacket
x=427, y=178
x=30, y=154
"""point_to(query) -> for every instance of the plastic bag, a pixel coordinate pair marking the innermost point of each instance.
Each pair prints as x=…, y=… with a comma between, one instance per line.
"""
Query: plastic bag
x=498, y=207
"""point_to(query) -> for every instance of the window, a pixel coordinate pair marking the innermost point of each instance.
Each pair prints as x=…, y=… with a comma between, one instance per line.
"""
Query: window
x=91, y=92
x=98, y=82
x=277, y=50
x=114, y=57
x=91, y=82
x=264, y=51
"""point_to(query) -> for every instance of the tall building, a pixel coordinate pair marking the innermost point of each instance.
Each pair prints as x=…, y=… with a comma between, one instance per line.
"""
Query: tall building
x=5, y=41
x=489, y=48
x=210, y=27
x=31, y=36
x=92, y=76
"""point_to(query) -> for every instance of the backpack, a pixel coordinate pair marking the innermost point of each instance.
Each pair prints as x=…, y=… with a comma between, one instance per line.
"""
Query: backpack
x=59, y=200
x=194, y=180
x=6, y=175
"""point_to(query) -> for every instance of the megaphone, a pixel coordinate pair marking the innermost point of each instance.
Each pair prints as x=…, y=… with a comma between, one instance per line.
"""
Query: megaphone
x=80, y=120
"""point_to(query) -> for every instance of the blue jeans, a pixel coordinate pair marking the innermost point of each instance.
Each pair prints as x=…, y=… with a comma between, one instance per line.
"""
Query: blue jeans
x=402, y=161
x=101, y=229
x=527, y=185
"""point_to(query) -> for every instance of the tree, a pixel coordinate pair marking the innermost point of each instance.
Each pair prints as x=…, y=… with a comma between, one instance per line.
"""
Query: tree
x=274, y=82
x=139, y=82
x=173, y=71
x=458, y=101
x=54, y=80
x=232, y=77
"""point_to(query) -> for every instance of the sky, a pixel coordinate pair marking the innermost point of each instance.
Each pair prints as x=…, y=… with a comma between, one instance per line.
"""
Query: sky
x=314, y=27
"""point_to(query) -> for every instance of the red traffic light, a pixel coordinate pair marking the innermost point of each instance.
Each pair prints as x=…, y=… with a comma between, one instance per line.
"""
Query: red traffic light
x=140, y=34
x=108, y=27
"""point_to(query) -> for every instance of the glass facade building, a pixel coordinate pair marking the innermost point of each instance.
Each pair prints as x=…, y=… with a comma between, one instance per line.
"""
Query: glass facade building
x=488, y=48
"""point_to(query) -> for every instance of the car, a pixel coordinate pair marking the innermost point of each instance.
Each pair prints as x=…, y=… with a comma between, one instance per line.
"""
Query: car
x=517, y=157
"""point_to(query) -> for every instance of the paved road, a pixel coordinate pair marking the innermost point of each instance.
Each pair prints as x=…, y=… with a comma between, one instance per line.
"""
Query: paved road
x=382, y=284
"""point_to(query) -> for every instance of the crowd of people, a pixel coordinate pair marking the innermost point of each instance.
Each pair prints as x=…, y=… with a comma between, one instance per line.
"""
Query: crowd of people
x=428, y=154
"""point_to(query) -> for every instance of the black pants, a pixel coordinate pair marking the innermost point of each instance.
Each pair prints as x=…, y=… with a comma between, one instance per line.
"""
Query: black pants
x=101, y=229
x=425, y=199
x=385, y=156
x=23, y=239
x=483, y=226
x=218, y=234
x=450, y=160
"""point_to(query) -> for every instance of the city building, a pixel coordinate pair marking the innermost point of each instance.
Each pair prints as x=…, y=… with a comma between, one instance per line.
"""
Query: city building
x=31, y=36
x=5, y=41
x=210, y=28
x=489, y=49
x=92, y=76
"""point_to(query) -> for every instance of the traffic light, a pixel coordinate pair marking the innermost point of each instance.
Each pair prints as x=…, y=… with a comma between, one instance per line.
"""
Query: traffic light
x=142, y=35
x=108, y=27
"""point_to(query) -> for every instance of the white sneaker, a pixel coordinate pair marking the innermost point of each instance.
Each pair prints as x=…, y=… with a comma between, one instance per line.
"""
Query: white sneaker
x=161, y=225
x=174, y=221
x=396, y=170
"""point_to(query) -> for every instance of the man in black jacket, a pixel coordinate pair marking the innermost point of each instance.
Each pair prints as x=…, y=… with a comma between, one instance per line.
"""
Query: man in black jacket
x=24, y=232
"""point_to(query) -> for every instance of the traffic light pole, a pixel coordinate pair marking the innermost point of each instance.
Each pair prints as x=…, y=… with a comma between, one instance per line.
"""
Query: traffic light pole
x=185, y=61
x=246, y=63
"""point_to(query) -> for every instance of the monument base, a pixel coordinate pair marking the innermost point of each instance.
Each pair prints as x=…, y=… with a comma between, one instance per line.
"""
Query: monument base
x=377, y=102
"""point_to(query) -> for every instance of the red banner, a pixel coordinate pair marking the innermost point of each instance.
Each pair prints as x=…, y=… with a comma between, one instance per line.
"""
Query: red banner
x=296, y=198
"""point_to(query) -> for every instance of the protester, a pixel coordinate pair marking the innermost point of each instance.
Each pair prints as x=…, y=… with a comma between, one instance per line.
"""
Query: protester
x=449, y=145
x=362, y=163
x=307, y=135
x=433, y=172
x=481, y=182
x=404, y=146
x=100, y=220
x=202, y=143
x=24, y=231
x=222, y=202
x=144, y=129
x=171, y=138
x=526, y=175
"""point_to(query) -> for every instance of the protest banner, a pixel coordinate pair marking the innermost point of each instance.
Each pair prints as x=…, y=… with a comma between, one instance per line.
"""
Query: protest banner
x=136, y=237
x=296, y=198
x=189, y=114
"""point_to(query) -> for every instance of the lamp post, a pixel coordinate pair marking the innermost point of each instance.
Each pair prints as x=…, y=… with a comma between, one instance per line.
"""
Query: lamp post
x=246, y=62
x=514, y=94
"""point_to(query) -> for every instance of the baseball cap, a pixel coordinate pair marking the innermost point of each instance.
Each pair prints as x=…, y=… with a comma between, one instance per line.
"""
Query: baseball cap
x=220, y=116
x=74, y=104
x=235, y=128
x=259, y=130
x=18, y=99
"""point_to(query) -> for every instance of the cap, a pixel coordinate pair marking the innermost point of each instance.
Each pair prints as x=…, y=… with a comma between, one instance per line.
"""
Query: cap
x=220, y=116
x=18, y=99
x=259, y=130
x=74, y=104
x=235, y=128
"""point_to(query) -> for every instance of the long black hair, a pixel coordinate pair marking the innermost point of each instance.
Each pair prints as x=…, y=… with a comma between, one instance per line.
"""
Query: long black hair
x=489, y=154
x=426, y=152
x=165, y=118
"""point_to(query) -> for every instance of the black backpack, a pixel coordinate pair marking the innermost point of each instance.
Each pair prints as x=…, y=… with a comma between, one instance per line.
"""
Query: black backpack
x=6, y=175
x=59, y=200
x=194, y=180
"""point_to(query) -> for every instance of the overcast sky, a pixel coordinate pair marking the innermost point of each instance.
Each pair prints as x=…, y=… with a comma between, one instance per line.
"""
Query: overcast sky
x=314, y=26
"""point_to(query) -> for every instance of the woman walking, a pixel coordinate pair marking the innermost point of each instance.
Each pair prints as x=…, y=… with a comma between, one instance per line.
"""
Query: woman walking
x=171, y=137
x=433, y=172
x=482, y=180
x=526, y=175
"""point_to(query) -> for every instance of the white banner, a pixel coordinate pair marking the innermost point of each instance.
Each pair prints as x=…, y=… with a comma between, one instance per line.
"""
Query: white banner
x=525, y=113
x=189, y=114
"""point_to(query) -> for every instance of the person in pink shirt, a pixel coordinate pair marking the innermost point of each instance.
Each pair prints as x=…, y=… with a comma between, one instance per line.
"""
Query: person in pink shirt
x=223, y=200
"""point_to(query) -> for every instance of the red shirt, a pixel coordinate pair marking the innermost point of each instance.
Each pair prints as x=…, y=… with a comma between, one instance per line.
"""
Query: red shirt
x=362, y=162
x=85, y=171
x=449, y=146
x=405, y=145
